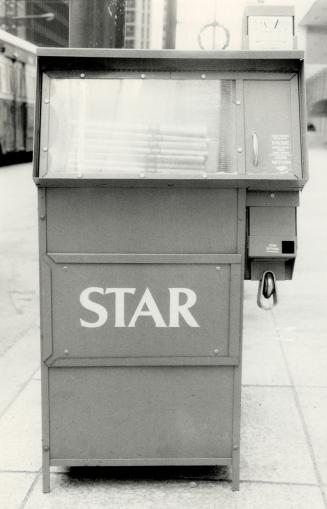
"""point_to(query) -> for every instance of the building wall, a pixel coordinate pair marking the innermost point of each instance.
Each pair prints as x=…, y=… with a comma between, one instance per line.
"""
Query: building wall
x=316, y=45
x=13, y=14
x=138, y=24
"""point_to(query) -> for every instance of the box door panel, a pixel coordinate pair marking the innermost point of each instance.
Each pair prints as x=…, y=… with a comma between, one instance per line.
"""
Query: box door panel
x=272, y=133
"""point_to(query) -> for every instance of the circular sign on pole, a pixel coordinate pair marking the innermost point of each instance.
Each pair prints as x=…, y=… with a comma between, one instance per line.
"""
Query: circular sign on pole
x=220, y=36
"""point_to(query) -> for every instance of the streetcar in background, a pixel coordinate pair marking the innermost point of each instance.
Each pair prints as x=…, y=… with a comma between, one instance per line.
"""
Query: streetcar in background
x=17, y=98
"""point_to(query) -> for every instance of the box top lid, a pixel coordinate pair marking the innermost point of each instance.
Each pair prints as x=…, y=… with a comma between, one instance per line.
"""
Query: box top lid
x=169, y=54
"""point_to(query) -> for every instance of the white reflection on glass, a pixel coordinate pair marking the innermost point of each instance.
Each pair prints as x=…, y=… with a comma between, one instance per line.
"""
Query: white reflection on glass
x=101, y=126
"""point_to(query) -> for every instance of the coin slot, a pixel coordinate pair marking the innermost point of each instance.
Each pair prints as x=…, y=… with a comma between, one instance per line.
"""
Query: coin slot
x=288, y=246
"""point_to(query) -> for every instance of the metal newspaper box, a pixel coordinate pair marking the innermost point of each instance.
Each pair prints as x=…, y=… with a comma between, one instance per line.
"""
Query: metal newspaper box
x=165, y=178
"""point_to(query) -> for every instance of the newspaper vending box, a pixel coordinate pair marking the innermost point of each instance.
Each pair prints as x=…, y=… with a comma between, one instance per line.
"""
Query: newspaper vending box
x=164, y=179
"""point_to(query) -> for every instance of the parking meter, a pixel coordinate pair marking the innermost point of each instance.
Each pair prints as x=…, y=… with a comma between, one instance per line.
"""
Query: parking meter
x=164, y=179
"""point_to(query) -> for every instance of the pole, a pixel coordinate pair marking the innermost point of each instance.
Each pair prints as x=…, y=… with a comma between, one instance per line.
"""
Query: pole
x=171, y=22
x=96, y=23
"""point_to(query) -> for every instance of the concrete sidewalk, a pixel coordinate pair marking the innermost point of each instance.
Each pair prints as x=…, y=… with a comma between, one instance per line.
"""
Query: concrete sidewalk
x=284, y=409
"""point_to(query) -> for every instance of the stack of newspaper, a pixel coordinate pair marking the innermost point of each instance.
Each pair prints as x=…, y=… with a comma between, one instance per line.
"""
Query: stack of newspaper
x=119, y=147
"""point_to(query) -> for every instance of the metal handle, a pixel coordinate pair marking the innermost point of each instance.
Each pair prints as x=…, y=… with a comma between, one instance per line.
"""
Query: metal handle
x=267, y=292
x=255, y=145
x=268, y=285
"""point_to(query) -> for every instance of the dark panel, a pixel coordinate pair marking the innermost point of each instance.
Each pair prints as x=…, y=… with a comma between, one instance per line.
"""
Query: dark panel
x=141, y=412
x=272, y=221
x=141, y=220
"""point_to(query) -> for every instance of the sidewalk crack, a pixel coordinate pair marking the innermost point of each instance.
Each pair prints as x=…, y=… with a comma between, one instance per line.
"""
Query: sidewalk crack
x=302, y=419
x=29, y=491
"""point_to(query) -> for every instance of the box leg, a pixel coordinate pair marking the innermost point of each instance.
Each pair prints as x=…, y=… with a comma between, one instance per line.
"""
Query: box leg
x=46, y=472
x=45, y=428
x=236, y=470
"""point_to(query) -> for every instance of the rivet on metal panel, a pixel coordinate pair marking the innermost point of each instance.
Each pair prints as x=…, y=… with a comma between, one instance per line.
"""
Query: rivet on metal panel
x=216, y=351
x=204, y=175
x=82, y=75
x=238, y=103
x=42, y=217
x=235, y=447
x=65, y=267
x=45, y=447
x=218, y=267
x=272, y=195
x=239, y=149
x=45, y=149
x=143, y=76
x=203, y=76
x=46, y=101
x=66, y=352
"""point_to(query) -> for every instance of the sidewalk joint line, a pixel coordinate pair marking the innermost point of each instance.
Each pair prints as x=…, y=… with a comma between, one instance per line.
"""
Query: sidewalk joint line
x=19, y=472
x=311, y=386
x=280, y=483
x=285, y=386
x=270, y=386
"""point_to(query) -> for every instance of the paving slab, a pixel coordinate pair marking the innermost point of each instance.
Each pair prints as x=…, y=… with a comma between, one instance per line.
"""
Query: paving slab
x=68, y=493
x=20, y=432
x=307, y=360
x=314, y=406
x=256, y=319
x=305, y=312
x=18, y=365
x=18, y=254
x=19, y=307
x=273, y=443
x=14, y=488
x=263, y=361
